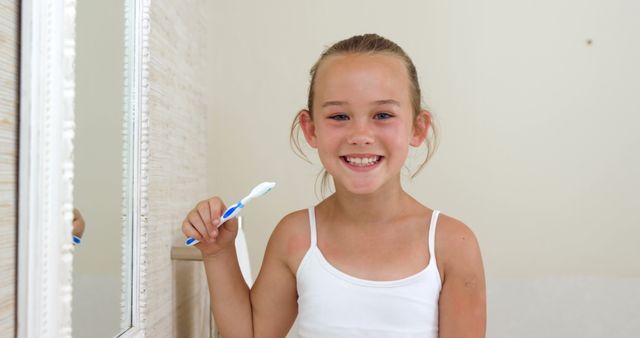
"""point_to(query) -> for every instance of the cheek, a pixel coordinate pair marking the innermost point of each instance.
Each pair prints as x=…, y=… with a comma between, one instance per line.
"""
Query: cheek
x=327, y=134
x=398, y=142
x=398, y=135
x=322, y=128
x=325, y=140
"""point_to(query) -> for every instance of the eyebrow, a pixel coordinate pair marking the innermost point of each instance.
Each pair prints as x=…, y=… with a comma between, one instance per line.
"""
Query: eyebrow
x=389, y=101
x=374, y=103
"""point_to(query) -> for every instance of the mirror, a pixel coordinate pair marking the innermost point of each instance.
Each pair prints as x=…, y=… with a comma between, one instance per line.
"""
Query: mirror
x=102, y=277
x=109, y=175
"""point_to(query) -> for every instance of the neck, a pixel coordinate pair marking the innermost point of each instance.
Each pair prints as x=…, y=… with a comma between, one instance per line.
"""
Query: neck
x=368, y=209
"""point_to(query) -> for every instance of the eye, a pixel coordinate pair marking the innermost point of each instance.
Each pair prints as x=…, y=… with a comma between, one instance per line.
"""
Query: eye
x=383, y=115
x=339, y=117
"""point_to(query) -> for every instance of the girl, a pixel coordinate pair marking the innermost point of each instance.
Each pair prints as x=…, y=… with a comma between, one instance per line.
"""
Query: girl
x=369, y=260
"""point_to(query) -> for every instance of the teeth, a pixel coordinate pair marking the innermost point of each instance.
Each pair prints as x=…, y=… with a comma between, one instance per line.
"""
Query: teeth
x=361, y=162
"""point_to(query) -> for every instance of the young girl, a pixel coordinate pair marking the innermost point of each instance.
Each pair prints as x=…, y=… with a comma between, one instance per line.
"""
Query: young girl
x=369, y=260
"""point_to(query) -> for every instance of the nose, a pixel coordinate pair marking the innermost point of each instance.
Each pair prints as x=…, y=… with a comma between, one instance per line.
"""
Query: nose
x=360, y=134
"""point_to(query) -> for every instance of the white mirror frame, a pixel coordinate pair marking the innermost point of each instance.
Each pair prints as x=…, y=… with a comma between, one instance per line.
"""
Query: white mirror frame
x=47, y=90
x=46, y=168
x=136, y=143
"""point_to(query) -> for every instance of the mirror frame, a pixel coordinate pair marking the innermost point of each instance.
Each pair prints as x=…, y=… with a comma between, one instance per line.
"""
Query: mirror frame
x=135, y=175
x=45, y=192
x=46, y=169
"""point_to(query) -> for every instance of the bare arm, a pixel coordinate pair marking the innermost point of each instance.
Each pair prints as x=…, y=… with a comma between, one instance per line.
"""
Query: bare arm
x=463, y=296
x=268, y=310
x=230, y=300
x=274, y=295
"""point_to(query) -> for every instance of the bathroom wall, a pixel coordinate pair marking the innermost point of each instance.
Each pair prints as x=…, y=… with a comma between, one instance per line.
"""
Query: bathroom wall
x=538, y=113
x=9, y=95
x=176, y=297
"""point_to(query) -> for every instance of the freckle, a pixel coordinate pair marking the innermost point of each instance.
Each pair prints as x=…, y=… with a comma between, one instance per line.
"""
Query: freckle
x=470, y=283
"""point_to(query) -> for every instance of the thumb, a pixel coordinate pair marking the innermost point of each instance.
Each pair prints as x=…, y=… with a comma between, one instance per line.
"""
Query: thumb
x=230, y=226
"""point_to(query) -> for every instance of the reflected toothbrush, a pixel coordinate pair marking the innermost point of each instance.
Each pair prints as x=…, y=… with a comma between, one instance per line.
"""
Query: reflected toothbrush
x=235, y=209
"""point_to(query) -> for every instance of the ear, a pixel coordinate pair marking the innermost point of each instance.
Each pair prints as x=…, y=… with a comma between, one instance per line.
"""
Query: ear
x=420, y=128
x=308, y=127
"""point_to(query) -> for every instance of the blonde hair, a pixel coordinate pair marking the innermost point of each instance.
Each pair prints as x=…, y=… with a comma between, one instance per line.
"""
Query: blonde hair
x=365, y=44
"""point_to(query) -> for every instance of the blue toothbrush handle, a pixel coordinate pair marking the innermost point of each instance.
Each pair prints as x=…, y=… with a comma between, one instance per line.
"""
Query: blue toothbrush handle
x=229, y=213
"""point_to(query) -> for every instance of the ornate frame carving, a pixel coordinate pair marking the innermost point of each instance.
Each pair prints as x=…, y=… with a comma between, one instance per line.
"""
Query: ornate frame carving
x=136, y=139
x=46, y=168
x=46, y=164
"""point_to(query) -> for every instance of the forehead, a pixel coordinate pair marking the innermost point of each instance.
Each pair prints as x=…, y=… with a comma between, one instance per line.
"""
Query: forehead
x=362, y=77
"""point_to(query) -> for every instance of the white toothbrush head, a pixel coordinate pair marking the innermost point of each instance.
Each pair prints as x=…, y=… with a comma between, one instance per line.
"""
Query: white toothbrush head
x=258, y=191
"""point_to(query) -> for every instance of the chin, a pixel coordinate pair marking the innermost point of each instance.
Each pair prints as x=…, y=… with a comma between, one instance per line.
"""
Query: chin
x=362, y=188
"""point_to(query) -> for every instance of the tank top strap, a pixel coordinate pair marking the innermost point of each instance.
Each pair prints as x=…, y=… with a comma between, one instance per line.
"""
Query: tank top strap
x=312, y=226
x=432, y=234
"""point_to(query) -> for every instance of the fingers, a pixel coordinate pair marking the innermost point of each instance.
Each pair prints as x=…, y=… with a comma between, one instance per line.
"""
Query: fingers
x=202, y=222
x=231, y=225
x=78, y=223
x=190, y=231
x=216, y=207
x=204, y=212
x=194, y=227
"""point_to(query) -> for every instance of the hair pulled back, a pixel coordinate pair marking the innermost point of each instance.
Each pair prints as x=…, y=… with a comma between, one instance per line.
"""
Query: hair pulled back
x=366, y=44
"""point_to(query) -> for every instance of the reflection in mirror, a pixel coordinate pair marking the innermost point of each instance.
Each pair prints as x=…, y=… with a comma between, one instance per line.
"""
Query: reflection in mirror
x=102, y=261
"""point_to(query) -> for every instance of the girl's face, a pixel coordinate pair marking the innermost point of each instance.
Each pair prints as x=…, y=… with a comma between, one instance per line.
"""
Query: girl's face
x=363, y=120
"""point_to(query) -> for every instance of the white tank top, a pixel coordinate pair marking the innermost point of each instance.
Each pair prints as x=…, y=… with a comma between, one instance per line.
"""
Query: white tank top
x=332, y=303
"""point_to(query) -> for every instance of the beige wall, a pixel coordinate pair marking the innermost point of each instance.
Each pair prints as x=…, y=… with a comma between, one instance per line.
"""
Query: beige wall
x=9, y=56
x=538, y=150
x=175, y=291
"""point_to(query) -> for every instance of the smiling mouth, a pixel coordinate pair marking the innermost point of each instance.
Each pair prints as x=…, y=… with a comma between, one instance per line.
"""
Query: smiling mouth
x=362, y=161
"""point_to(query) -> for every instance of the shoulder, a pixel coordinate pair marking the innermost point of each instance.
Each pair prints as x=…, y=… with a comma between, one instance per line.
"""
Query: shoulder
x=291, y=238
x=462, y=301
x=456, y=246
x=454, y=234
x=292, y=227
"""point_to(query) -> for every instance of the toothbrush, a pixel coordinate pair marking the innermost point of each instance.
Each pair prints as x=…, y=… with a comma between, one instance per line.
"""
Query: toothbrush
x=235, y=209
